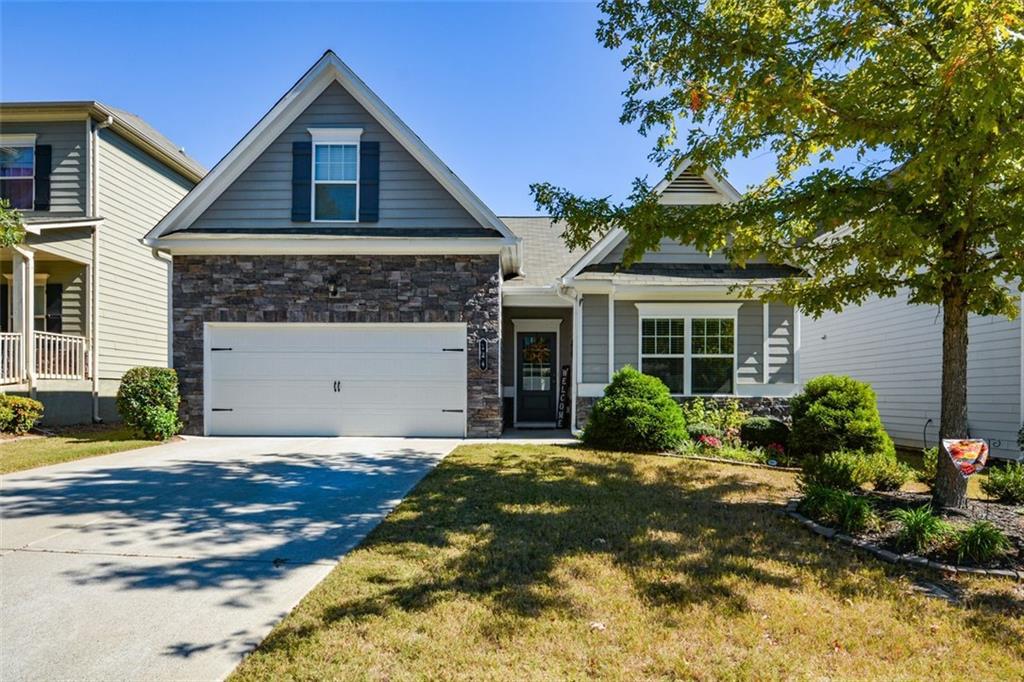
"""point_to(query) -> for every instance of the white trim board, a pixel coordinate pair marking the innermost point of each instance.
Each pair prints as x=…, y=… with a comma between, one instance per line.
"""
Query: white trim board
x=328, y=69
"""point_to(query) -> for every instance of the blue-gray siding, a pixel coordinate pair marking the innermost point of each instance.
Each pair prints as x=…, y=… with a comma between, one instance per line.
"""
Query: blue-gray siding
x=261, y=196
x=68, y=168
x=594, y=353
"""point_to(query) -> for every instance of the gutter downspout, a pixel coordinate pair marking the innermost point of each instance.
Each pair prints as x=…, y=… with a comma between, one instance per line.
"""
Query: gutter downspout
x=94, y=341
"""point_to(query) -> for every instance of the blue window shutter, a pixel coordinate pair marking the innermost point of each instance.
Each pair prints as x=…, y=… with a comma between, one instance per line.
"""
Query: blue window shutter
x=302, y=181
x=369, y=182
x=44, y=163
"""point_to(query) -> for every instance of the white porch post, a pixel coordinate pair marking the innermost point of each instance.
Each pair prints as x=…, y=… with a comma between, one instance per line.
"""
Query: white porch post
x=23, y=297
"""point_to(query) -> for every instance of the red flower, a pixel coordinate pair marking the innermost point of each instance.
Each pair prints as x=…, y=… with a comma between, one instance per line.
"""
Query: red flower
x=777, y=448
x=709, y=441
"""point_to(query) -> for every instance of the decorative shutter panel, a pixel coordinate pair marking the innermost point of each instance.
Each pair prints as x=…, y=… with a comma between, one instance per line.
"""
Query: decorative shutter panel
x=369, y=182
x=302, y=181
x=55, y=308
x=44, y=161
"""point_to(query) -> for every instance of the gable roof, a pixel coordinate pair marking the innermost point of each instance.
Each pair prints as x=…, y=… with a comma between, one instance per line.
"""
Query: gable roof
x=130, y=126
x=328, y=69
x=682, y=187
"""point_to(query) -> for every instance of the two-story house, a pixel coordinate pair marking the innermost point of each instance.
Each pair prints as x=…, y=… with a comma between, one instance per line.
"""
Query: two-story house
x=82, y=299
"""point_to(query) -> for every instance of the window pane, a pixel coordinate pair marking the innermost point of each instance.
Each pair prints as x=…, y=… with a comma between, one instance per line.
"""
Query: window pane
x=16, y=162
x=335, y=162
x=648, y=328
x=19, y=192
x=677, y=345
x=662, y=326
x=698, y=345
x=647, y=347
x=711, y=375
x=335, y=202
x=678, y=327
x=661, y=346
x=669, y=370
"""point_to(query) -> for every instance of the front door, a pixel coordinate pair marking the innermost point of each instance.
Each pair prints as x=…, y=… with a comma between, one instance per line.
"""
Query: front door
x=535, y=377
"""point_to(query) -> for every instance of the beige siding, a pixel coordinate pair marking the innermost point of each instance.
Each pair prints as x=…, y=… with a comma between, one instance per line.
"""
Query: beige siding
x=72, y=277
x=897, y=348
x=67, y=174
x=72, y=243
x=261, y=197
x=135, y=191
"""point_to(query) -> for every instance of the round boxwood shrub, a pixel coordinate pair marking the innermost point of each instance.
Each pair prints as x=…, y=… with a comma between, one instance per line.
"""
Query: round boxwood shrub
x=636, y=414
x=836, y=413
x=147, y=401
x=763, y=431
x=18, y=415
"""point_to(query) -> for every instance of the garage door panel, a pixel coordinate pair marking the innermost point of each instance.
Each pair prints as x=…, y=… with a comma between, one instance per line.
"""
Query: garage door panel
x=278, y=379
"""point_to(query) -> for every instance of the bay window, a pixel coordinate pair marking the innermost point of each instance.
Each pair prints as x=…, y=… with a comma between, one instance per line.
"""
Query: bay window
x=691, y=348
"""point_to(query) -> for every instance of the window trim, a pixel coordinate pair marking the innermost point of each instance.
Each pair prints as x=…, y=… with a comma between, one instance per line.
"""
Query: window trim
x=22, y=140
x=323, y=137
x=689, y=312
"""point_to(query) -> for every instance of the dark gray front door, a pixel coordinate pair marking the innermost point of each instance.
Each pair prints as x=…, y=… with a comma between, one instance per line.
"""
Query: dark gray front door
x=535, y=376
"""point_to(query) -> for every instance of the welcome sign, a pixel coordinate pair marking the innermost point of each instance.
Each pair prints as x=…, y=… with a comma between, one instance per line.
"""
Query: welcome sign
x=969, y=455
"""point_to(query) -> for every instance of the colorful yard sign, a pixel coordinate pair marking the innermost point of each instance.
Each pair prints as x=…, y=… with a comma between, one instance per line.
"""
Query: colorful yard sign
x=968, y=454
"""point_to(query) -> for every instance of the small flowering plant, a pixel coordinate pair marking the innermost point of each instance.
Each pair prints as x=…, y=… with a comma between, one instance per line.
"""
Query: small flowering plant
x=709, y=442
x=777, y=449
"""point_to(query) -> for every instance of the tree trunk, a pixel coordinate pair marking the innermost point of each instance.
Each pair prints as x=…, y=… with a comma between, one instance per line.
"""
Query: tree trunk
x=950, y=486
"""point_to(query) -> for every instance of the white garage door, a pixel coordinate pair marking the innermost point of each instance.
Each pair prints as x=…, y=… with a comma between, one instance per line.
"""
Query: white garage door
x=335, y=380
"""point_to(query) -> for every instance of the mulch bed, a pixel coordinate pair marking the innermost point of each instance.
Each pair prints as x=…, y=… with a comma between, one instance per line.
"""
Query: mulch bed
x=1008, y=518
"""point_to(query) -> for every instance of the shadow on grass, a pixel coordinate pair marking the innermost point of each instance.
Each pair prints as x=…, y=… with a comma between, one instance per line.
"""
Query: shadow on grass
x=506, y=518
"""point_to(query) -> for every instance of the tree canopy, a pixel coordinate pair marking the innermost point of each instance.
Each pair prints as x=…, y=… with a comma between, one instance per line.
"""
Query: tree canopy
x=896, y=128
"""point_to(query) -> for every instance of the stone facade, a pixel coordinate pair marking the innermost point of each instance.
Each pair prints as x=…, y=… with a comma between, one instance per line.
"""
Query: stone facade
x=758, y=407
x=340, y=289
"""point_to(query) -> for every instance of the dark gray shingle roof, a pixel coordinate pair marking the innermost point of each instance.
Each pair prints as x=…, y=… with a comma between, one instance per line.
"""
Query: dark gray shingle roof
x=545, y=255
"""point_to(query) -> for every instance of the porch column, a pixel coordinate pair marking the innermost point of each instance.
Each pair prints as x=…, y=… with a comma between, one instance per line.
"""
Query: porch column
x=23, y=299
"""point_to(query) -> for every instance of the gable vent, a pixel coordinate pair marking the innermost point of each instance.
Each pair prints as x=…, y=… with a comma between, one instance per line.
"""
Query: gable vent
x=689, y=183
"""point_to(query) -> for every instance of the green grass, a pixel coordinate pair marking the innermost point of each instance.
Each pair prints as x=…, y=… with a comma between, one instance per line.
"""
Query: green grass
x=546, y=562
x=67, y=445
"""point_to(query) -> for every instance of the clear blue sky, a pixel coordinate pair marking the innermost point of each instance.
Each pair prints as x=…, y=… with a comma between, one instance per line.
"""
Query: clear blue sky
x=505, y=94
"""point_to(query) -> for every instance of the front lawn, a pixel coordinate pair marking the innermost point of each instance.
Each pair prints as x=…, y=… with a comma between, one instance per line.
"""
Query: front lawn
x=65, y=445
x=513, y=561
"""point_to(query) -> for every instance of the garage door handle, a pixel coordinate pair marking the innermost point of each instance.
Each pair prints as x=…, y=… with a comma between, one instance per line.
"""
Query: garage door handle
x=337, y=387
x=212, y=350
x=459, y=411
x=221, y=409
x=454, y=350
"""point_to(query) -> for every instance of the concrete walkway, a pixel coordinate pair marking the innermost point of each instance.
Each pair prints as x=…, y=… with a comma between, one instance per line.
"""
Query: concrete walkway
x=172, y=562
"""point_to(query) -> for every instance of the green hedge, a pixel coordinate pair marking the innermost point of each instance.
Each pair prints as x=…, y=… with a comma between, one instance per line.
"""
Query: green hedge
x=636, y=414
x=836, y=413
x=18, y=415
x=147, y=401
x=763, y=431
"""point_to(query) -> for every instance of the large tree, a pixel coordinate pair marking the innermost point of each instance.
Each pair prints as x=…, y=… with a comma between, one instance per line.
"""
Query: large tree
x=895, y=132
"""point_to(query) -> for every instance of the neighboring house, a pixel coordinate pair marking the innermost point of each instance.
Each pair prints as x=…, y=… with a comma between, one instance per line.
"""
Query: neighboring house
x=897, y=348
x=332, y=276
x=83, y=299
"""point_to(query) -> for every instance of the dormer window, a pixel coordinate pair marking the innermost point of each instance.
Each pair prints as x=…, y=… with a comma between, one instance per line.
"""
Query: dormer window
x=335, y=174
x=17, y=170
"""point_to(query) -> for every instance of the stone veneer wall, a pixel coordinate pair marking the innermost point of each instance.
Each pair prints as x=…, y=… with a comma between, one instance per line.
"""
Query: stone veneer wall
x=759, y=407
x=368, y=289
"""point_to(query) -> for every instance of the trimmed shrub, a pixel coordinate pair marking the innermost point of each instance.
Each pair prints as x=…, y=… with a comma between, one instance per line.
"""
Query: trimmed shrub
x=147, y=401
x=1005, y=483
x=839, y=470
x=929, y=466
x=888, y=473
x=702, y=429
x=837, y=413
x=981, y=543
x=763, y=431
x=18, y=415
x=636, y=414
x=919, y=528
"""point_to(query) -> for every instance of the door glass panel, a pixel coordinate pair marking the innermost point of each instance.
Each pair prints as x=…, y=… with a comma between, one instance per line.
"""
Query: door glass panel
x=536, y=363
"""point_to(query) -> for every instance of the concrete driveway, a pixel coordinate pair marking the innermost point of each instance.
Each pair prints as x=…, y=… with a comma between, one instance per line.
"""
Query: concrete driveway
x=174, y=561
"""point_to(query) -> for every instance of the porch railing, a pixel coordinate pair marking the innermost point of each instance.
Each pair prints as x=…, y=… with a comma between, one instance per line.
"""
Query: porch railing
x=59, y=356
x=12, y=359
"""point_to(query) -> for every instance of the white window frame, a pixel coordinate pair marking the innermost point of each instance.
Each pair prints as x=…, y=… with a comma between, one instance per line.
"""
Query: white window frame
x=22, y=140
x=324, y=137
x=689, y=312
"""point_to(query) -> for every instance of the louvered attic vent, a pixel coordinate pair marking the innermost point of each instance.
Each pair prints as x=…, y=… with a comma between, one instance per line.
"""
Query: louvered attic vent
x=689, y=183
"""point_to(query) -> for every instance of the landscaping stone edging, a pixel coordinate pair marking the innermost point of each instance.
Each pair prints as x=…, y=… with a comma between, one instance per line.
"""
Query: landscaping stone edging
x=892, y=557
x=720, y=460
